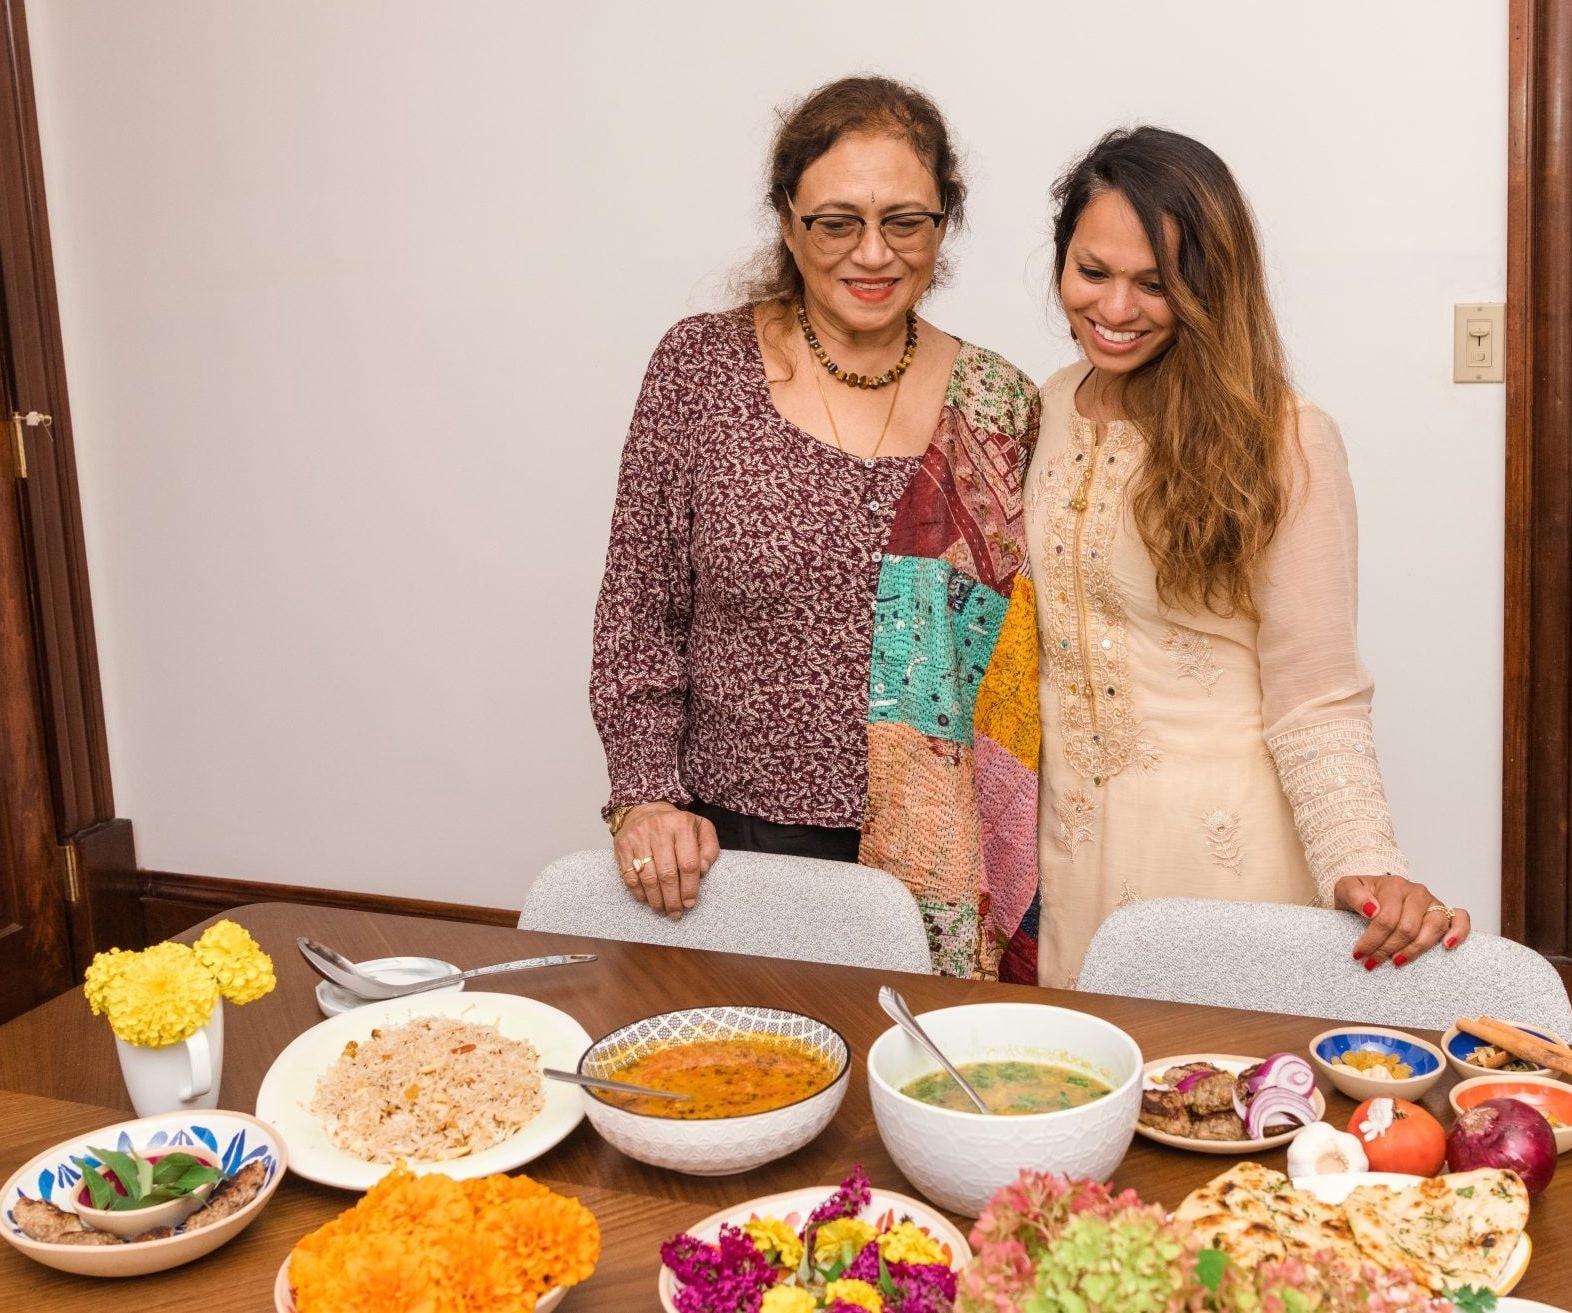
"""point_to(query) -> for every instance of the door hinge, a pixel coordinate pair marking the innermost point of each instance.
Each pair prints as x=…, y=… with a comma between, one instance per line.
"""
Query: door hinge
x=19, y=423
x=70, y=872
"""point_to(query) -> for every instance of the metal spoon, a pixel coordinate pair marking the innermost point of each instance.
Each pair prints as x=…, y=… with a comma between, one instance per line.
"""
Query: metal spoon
x=615, y=1086
x=341, y=971
x=891, y=1001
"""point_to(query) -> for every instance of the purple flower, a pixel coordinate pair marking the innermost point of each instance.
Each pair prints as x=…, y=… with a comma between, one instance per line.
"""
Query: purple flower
x=728, y=1277
x=919, y=1287
x=847, y=1201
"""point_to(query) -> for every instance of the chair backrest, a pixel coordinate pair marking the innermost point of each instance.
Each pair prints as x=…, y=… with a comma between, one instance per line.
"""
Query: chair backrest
x=1272, y=957
x=759, y=903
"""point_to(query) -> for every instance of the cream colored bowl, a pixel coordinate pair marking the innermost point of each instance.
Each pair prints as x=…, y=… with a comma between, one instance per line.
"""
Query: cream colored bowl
x=237, y=1138
x=959, y=1159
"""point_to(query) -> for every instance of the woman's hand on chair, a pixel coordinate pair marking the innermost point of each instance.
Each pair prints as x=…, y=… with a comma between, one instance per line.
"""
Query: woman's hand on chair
x=1406, y=919
x=662, y=851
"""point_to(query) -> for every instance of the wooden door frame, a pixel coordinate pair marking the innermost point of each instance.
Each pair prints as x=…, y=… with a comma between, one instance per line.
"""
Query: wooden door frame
x=1536, y=863
x=95, y=855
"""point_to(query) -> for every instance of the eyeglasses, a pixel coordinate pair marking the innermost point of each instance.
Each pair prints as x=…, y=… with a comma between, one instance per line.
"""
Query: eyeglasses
x=835, y=234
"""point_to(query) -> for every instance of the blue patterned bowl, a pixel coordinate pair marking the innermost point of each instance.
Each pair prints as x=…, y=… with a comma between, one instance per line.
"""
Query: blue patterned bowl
x=236, y=1138
x=1459, y=1044
x=1423, y=1059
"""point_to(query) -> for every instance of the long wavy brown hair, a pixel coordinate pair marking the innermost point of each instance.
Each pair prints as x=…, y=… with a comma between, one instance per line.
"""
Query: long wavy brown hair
x=1216, y=407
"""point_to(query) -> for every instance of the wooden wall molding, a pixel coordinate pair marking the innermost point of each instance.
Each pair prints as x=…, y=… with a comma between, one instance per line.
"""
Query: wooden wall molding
x=170, y=903
x=1536, y=863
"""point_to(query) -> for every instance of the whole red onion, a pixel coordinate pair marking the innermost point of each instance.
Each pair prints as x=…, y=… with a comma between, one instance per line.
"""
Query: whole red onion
x=1504, y=1133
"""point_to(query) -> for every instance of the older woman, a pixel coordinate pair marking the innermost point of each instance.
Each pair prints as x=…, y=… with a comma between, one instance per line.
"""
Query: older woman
x=815, y=541
x=1193, y=537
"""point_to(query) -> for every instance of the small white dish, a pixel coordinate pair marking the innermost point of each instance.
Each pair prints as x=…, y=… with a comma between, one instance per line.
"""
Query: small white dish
x=335, y=999
x=126, y=1223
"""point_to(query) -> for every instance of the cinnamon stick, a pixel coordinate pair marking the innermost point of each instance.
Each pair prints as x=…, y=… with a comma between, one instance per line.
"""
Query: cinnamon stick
x=1542, y=1053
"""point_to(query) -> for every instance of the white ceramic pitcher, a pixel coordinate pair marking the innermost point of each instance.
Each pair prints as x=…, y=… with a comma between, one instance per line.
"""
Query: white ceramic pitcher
x=178, y=1076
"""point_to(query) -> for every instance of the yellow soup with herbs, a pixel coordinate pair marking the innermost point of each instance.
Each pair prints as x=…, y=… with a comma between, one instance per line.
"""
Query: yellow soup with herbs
x=731, y=1077
x=1011, y=1088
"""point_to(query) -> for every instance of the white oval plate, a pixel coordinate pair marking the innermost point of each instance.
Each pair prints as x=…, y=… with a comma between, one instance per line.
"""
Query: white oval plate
x=1334, y=1187
x=803, y=1202
x=1223, y=1062
x=333, y=999
x=291, y=1082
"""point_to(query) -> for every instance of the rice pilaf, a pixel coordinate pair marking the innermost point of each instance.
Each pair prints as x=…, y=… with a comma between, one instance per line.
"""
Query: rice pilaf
x=430, y=1090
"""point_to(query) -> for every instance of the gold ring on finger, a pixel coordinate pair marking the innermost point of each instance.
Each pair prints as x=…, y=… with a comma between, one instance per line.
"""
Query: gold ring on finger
x=639, y=863
x=1449, y=912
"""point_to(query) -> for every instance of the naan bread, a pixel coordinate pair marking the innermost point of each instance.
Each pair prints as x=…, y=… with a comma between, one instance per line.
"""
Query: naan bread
x=1253, y=1213
x=1453, y=1230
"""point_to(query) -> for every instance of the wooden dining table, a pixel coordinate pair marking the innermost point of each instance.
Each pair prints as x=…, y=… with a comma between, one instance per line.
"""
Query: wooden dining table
x=59, y=1077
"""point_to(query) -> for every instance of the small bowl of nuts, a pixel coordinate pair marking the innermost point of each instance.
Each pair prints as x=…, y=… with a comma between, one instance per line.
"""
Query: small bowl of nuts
x=1371, y=1062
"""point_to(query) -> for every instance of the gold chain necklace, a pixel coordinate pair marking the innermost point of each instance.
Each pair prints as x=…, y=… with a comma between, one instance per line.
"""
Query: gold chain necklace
x=890, y=375
x=836, y=433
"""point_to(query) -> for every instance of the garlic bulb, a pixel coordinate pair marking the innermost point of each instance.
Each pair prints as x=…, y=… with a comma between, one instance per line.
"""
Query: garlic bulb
x=1321, y=1148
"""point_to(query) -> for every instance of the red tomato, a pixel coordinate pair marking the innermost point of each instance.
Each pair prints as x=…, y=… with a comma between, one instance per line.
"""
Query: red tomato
x=1404, y=1138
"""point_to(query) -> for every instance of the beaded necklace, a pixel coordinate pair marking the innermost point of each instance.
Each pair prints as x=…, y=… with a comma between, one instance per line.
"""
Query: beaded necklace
x=861, y=380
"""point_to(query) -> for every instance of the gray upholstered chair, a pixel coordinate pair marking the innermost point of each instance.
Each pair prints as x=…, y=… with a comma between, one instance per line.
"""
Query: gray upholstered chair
x=760, y=903
x=1299, y=960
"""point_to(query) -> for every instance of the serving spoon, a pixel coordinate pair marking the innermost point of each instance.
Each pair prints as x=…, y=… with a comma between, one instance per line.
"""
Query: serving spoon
x=891, y=1001
x=615, y=1086
x=333, y=965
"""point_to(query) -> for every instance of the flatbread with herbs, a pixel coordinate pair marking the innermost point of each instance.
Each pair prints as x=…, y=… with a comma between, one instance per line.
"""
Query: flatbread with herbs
x=1453, y=1230
x=1253, y=1214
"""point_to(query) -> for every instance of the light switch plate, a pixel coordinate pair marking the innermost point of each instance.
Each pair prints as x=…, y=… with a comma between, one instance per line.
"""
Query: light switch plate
x=1479, y=343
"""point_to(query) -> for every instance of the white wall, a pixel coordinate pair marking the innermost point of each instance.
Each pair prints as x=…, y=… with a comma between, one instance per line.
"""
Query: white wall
x=357, y=297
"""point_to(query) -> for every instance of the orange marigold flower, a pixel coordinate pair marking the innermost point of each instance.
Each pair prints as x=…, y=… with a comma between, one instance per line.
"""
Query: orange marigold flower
x=444, y=1246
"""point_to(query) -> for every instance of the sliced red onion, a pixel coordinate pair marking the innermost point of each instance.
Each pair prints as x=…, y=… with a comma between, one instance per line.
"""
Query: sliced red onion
x=1192, y=1080
x=1285, y=1071
x=1274, y=1105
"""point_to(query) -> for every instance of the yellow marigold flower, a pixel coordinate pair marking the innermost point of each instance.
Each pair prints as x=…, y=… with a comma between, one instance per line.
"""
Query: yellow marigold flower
x=770, y=1233
x=243, y=971
x=159, y=996
x=859, y=1294
x=906, y=1242
x=829, y=1238
x=105, y=967
x=788, y=1299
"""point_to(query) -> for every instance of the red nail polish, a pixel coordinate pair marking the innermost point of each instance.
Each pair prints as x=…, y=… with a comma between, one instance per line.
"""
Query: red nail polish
x=1370, y=908
x=1399, y=960
x=1370, y=964
x=1358, y=955
x=1451, y=941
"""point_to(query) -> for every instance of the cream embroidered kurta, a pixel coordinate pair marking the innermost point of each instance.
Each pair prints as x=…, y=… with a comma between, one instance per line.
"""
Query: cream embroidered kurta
x=1185, y=754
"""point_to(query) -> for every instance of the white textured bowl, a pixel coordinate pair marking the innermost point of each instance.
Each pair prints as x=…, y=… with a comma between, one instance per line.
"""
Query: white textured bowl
x=714, y=1146
x=959, y=1159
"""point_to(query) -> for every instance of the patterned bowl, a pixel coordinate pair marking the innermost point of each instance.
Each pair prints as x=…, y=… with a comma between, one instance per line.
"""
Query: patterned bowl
x=1458, y=1044
x=1422, y=1058
x=716, y=1146
x=237, y=1139
x=959, y=1159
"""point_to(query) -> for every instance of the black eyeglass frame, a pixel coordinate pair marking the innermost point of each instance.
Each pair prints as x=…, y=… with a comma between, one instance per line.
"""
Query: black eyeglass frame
x=936, y=217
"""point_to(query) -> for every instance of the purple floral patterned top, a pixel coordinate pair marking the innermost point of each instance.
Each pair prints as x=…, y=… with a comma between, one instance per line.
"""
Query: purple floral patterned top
x=735, y=621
